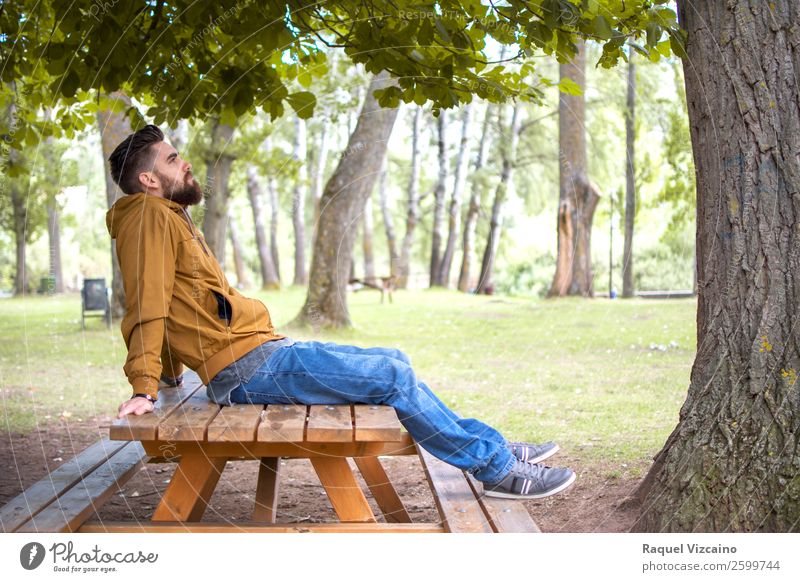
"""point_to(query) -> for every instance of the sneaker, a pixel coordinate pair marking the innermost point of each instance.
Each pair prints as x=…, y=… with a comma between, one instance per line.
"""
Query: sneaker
x=532, y=453
x=530, y=481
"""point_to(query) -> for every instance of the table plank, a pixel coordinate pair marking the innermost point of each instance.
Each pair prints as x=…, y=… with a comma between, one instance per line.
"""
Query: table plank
x=78, y=504
x=376, y=423
x=250, y=527
x=342, y=488
x=282, y=423
x=328, y=423
x=237, y=423
x=455, y=500
x=189, y=422
x=39, y=495
x=266, y=505
x=145, y=426
x=505, y=515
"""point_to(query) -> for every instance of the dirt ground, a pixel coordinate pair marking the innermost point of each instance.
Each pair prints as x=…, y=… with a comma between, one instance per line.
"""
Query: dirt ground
x=588, y=506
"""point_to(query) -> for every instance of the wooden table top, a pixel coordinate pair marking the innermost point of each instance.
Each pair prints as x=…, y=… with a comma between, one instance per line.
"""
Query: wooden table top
x=186, y=415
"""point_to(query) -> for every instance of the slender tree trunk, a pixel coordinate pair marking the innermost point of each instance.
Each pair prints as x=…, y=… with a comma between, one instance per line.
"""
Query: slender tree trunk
x=388, y=222
x=242, y=277
x=218, y=171
x=506, y=185
x=274, y=205
x=412, y=215
x=343, y=201
x=732, y=462
x=179, y=135
x=454, y=218
x=319, y=172
x=630, y=180
x=114, y=128
x=578, y=197
x=368, y=236
x=18, y=208
x=468, y=243
x=438, y=202
x=269, y=276
x=54, y=239
x=299, y=203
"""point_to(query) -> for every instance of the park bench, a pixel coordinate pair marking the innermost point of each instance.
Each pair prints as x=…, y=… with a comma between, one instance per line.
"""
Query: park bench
x=202, y=437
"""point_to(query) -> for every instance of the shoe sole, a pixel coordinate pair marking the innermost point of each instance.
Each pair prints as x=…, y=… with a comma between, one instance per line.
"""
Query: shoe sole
x=555, y=490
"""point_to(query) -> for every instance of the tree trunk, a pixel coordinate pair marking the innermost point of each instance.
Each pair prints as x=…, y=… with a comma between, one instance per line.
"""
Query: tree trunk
x=508, y=151
x=368, y=235
x=388, y=222
x=412, y=215
x=630, y=180
x=732, y=462
x=242, y=279
x=218, y=171
x=299, y=203
x=319, y=173
x=54, y=239
x=468, y=243
x=578, y=197
x=343, y=201
x=18, y=208
x=438, y=201
x=114, y=127
x=454, y=218
x=179, y=135
x=269, y=276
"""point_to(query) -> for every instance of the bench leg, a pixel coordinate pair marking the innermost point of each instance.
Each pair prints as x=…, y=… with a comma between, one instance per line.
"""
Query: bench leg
x=382, y=490
x=191, y=488
x=342, y=488
x=267, y=490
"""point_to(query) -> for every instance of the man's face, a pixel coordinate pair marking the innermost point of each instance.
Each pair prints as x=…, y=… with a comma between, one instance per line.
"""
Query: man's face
x=175, y=176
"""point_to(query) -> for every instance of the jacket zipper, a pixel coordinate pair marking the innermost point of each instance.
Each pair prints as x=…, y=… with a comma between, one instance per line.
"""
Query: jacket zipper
x=193, y=231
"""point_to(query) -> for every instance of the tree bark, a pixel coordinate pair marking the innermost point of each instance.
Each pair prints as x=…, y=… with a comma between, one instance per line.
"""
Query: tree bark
x=732, y=462
x=468, y=243
x=319, y=172
x=388, y=222
x=630, y=180
x=438, y=201
x=578, y=198
x=454, y=215
x=54, y=240
x=412, y=214
x=269, y=276
x=299, y=203
x=20, y=242
x=114, y=127
x=508, y=151
x=218, y=172
x=343, y=201
x=367, y=240
x=242, y=278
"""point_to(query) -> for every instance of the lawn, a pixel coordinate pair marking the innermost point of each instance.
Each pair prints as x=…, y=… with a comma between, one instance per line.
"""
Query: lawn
x=606, y=378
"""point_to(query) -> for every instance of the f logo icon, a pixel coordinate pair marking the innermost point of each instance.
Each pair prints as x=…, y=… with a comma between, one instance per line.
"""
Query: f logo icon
x=31, y=555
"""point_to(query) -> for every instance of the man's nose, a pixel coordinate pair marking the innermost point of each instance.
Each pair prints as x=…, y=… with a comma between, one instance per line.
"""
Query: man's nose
x=188, y=167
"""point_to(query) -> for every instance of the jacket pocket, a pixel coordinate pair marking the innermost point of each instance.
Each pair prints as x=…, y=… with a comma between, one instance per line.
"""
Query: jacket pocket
x=224, y=307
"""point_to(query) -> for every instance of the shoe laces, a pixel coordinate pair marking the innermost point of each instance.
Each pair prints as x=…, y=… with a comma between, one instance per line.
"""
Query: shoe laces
x=531, y=471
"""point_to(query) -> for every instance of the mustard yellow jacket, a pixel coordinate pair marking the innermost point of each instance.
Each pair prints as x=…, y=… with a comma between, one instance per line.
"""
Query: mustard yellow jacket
x=179, y=307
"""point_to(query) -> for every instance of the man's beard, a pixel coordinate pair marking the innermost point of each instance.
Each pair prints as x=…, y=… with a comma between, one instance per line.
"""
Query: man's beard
x=184, y=192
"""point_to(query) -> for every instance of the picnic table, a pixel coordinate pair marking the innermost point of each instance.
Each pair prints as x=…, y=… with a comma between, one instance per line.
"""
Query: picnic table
x=203, y=437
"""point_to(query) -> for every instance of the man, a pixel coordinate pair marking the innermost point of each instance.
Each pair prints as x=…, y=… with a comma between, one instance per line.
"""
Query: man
x=180, y=310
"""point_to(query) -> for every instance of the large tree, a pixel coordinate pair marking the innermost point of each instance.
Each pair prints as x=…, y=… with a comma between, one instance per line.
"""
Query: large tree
x=341, y=206
x=731, y=464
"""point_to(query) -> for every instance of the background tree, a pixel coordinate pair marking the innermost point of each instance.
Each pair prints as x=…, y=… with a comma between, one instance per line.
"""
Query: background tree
x=630, y=180
x=438, y=201
x=412, y=212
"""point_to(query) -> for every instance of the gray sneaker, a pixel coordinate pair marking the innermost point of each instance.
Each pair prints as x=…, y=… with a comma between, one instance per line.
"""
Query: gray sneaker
x=533, y=453
x=530, y=481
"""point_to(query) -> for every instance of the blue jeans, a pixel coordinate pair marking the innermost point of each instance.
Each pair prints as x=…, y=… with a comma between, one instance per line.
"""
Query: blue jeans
x=328, y=373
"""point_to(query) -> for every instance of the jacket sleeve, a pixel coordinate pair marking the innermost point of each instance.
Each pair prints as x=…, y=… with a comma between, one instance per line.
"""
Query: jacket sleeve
x=171, y=366
x=147, y=251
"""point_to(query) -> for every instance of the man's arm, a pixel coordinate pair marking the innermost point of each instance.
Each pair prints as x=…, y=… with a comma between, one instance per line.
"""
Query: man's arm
x=147, y=250
x=171, y=366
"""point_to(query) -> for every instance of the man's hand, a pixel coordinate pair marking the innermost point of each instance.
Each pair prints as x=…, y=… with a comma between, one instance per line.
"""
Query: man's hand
x=136, y=405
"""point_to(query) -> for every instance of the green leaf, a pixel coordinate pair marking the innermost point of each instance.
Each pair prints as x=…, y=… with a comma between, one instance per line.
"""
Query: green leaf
x=303, y=103
x=570, y=87
x=602, y=28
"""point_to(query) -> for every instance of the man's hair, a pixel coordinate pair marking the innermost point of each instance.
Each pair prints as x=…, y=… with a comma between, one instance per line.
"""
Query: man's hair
x=133, y=156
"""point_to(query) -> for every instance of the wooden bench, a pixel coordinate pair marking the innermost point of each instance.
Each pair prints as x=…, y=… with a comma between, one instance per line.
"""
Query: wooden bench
x=203, y=437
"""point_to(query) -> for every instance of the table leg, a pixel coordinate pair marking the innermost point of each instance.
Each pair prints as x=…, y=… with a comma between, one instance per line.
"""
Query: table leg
x=342, y=488
x=382, y=490
x=267, y=490
x=190, y=489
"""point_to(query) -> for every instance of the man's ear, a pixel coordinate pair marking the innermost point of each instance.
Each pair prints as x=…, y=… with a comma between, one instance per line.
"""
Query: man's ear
x=149, y=180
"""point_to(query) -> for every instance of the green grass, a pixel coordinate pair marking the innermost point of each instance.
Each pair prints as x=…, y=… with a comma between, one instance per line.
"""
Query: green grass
x=579, y=371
